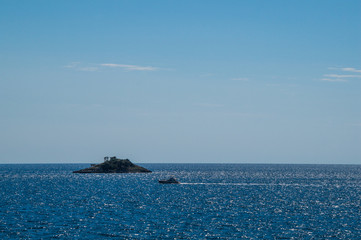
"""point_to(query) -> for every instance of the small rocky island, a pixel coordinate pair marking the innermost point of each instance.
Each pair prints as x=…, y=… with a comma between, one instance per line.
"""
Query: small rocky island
x=114, y=165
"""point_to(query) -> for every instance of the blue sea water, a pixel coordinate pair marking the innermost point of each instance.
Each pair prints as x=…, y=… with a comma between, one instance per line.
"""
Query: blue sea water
x=215, y=201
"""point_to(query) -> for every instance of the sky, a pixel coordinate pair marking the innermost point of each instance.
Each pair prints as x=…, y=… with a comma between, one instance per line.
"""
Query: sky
x=180, y=81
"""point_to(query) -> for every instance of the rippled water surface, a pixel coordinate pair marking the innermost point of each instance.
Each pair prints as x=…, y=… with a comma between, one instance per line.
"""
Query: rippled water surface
x=215, y=201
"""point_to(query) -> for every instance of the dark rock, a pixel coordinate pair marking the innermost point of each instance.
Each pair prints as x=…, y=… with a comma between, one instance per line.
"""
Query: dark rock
x=114, y=165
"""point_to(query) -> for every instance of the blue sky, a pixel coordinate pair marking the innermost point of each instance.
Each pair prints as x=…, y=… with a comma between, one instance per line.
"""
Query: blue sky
x=180, y=81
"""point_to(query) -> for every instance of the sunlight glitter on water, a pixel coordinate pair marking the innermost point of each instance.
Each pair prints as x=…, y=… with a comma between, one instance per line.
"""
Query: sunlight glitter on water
x=213, y=201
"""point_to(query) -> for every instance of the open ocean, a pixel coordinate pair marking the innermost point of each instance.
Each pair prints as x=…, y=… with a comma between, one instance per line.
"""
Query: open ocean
x=215, y=201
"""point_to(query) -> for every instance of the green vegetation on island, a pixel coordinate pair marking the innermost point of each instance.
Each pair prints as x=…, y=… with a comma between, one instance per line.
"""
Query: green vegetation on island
x=114, y=165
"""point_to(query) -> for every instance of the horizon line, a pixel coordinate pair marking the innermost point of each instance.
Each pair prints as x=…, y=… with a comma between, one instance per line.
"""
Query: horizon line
x=35, y=163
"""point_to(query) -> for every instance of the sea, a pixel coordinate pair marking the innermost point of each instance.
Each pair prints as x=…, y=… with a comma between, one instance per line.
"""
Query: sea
x=214, y=201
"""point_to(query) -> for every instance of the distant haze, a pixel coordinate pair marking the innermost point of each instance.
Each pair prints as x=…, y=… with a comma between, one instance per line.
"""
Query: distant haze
x=180, y=81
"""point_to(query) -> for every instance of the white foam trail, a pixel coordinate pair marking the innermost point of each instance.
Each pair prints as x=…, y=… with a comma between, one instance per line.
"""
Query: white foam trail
x=257, y=184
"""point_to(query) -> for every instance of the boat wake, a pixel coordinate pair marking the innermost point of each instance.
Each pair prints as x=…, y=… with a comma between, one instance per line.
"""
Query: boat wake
x=258, y=184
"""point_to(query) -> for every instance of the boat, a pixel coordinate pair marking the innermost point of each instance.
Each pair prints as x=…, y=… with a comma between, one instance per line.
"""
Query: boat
x=171, y=180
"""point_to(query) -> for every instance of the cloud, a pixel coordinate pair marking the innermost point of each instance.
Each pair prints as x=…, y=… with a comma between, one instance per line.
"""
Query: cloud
x=342, y=77
x=95, y=67
x=346, y=69
x=79, y=67
x=72, y=65
x=351, y=70
x=88, y=69
x=129, y=67
x=334, y=80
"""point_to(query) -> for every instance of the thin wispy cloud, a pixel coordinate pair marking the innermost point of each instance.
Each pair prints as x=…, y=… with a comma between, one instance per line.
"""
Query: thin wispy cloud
x=346, y=69
x=333, y=80
x=88, y=69
x=72, y=65
x=342, y=75
x=351, y=70
x=129, y=67
x=80, y=67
